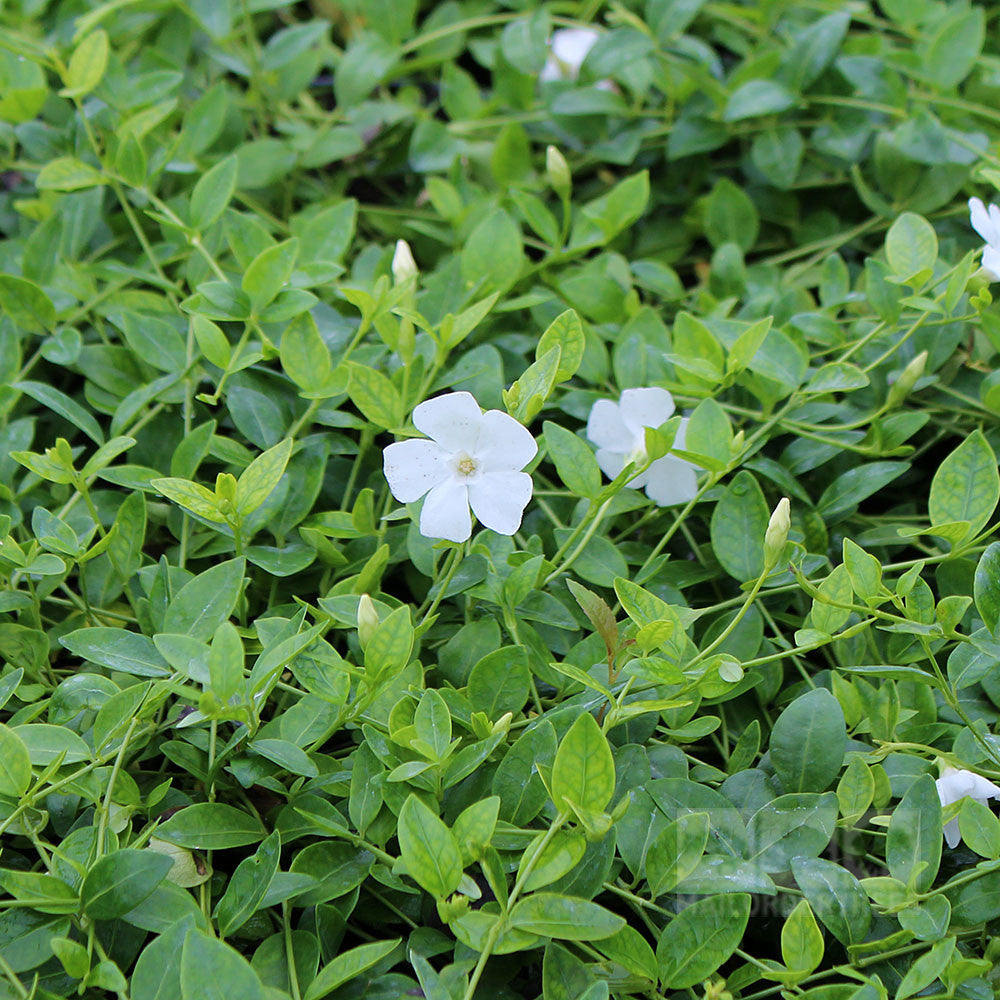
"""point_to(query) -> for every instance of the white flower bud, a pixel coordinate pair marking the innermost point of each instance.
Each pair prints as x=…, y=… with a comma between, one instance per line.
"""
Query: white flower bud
x=368, y=620
x=558, y=173
x=908, y=378
x=777, y=533
x=404, y=266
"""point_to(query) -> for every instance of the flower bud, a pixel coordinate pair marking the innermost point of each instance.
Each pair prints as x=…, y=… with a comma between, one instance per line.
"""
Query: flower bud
x=404, y=266
x=225, y=486
x=557, y=171
x=908, y=378
x=777, y=533
x=367, y=620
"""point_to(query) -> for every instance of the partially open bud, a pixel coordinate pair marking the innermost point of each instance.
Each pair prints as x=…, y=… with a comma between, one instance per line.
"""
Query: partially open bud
x=908, y=378
x=367, y=620
x=404, y=266
x=557, y=171
x=777, y=533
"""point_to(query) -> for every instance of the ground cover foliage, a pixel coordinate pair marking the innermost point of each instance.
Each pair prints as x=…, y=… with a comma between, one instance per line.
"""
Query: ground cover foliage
x=628, y=750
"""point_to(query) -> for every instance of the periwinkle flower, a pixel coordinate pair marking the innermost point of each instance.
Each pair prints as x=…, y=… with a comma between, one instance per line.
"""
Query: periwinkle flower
x=955, y=784
x=986, y=222
x=618, y=430
x=469, y=459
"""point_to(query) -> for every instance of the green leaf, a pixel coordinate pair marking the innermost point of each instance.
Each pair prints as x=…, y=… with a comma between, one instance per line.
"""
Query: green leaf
x=966, y=486
x=67, y=408
x=808, y=742
x=261, y=477
x=213, y=193
x=191, y=496
x=347, y=966
x=248, y=885
x=731, y=217
x=549, y=914
x=952, y=51
x=738, y=524
x=66, y=173
x=26, y=304
x=864, y=570
x=801, y=939
x=926, y=969
x=117, y=649
x=304, y=355
x=500, y=682
x=566, y=333
x=428, y=849
x=574, y=461
x=211, y=826
x=375, y=396
x=211, y=341
x=700, y=938
x=584, y=770
x=492, y=255
x=269, y=273
x=987, y=587
x=911, y=246
x=676, y=851
x=799, y=825
x=212, y=970
x=205, y=602
x=836, y=897
x=15, y=764
x=87, y=65
x=758, y=97
x=913, y=840
x=120, y=881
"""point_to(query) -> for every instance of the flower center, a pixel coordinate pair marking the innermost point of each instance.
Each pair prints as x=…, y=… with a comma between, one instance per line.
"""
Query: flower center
x=466, y=466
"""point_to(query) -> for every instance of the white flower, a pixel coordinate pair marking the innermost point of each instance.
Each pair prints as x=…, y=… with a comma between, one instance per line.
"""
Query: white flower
x=954, y=785
x=403, y=264
x=472, y=459
x=618, y=431
x=567, y=50
x=986, y=222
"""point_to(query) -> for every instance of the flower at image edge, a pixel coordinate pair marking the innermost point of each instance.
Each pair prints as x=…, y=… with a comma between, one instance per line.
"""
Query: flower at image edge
x=986, y=222
x=954, y=785
x=469, y=459
x=618, y=430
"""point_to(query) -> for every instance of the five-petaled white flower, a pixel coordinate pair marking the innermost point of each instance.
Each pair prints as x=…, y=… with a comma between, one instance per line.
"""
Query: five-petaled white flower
x=568, y=47
x=986, y=222
x=618, y=431
x=954, y=785
x=472, y=459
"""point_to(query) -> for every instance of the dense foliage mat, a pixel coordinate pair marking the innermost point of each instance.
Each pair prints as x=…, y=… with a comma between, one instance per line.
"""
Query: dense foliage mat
x=279, y=718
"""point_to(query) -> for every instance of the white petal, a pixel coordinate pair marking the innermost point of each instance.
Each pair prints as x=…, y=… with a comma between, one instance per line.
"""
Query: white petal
x=951, y=833
x=498, y=499
x=413, y=467
x=952, y=786
x=957, y=784
x=606, y=428
x=680, y=438
x=446, y=512
x=982, y=221
x=671, y=480
x=646, y=408
x=551, y=70
x=453, y=420
x=983, y=789
x=611, y=462
x=571, y=45
x=991, y=262
x=504, y=444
